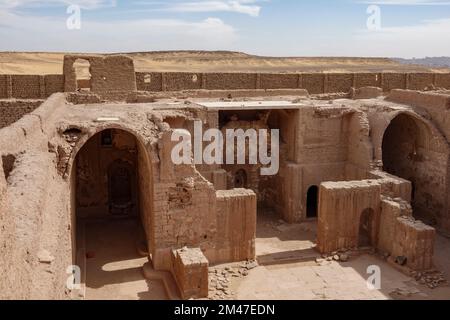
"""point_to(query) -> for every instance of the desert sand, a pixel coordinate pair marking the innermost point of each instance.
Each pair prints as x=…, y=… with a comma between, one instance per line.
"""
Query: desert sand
x=212, y=61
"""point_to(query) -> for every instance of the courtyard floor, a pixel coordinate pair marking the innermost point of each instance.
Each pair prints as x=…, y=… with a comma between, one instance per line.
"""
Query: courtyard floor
x=113, y=265
x=288, y=268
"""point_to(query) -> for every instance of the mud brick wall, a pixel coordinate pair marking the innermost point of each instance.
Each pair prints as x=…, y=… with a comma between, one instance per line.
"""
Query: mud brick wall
x=339, y=82
x=279, y=81
x=419, y=81
x=394, y=81
x=38, y=87
x=182, y=81
x=155, y=79
x=11, y=110
x=53, y=83
x=415, y=241
x=230, y=81
x=190, y=270
x=108, y=74
x=236, y=214
x=442, y=80
x=26, y=87
x=3, y=86
x=313, y=82
x=30, y=86
x=367, y=80
x=341, y=205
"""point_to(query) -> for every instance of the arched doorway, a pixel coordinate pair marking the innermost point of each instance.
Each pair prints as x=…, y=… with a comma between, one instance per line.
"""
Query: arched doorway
x=411, y=151
x=366, y=221
x=312, y=201
x=112, y=196
x=240, y=179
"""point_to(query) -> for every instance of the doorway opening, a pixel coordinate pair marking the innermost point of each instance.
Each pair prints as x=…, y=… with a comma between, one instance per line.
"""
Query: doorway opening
x=83, y=74
x=112, y=201
x=365, y=228
x=240, y=179
x=312, y=201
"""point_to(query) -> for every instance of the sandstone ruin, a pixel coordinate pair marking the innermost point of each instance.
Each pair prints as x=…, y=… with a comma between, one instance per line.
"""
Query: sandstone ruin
x=364, y=155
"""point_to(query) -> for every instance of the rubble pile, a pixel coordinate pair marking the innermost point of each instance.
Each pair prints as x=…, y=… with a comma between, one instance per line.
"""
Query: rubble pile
x=220, y=279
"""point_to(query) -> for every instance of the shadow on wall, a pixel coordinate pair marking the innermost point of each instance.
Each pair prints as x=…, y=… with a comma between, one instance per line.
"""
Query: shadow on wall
x=410, y=152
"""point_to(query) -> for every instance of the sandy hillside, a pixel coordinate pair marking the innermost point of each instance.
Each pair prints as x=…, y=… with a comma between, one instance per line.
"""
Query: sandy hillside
x=201, y=61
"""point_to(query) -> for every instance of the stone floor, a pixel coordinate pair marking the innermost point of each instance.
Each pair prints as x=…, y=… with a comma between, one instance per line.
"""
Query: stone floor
x=288, y=270
x=113, y=265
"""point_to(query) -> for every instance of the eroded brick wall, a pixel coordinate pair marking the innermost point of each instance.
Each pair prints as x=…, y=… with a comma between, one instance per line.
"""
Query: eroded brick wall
x=30, y=86
x=315, y=83
x=12, y=110
x=35, y=87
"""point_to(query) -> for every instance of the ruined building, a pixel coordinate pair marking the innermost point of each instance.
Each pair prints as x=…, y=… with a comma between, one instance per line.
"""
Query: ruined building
x=366, y=154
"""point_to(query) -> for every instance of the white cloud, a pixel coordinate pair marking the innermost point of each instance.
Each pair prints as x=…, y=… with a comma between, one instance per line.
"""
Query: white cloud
x=22, y=33
x=428, y=38
x=86, y=4
x=248, y=7
x=409, y=2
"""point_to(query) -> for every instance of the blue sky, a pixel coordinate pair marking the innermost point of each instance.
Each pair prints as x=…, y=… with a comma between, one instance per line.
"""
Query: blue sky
x=407, y=28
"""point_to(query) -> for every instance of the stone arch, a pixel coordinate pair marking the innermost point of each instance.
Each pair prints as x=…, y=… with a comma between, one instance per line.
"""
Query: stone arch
x=413, y=148
x=240, y=179
x=145, y=168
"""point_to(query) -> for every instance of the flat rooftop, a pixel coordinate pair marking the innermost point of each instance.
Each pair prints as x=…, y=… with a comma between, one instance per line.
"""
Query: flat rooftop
x=251, y=105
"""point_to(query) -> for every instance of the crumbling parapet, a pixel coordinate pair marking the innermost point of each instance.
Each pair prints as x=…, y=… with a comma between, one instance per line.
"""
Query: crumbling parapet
x=414, y=242
x=109, y=74
x=190, y=270
x=391, y=228
x=341, y=205
x=391, y=209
